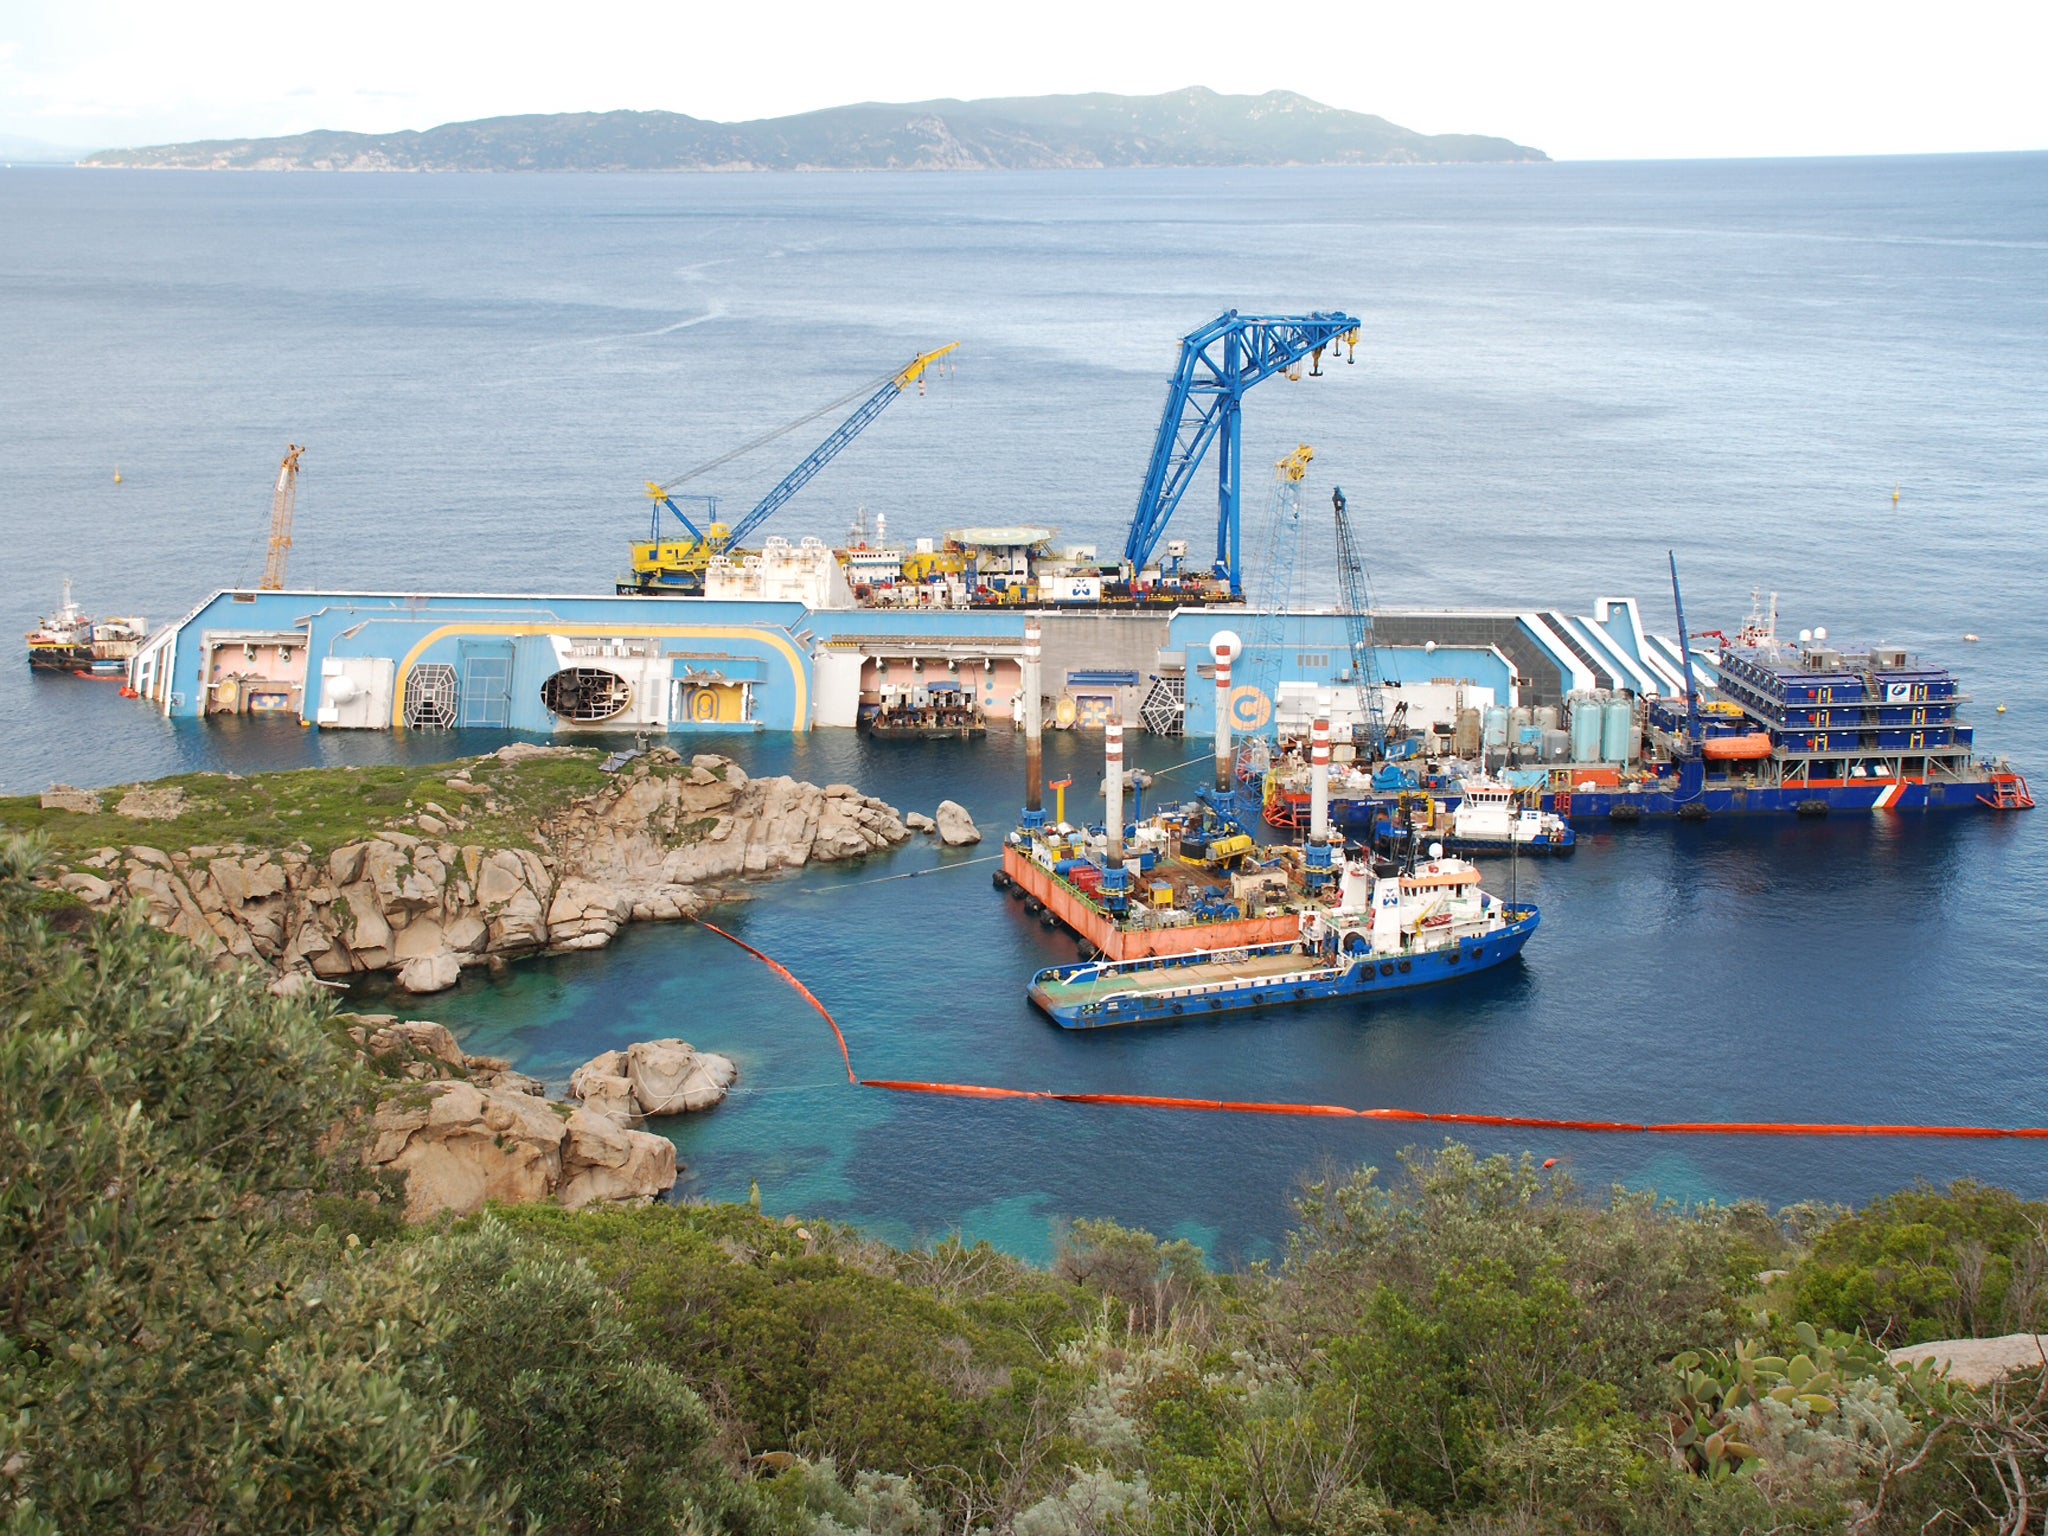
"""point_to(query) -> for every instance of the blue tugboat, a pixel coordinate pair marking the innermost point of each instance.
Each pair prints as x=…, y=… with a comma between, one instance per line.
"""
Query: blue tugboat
x=1382, y=933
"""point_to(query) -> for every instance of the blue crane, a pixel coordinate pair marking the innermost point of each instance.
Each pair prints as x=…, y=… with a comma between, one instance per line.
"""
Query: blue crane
x=1218, y=363
x=1356, y=593
x=657, y=565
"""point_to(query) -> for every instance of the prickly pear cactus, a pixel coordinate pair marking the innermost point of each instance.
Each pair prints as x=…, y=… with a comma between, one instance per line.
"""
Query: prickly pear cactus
x=1720, y=1396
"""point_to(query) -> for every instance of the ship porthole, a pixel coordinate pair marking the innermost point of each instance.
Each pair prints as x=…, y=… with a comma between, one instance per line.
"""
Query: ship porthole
x=1453, y=957
x=1407, y=965
x=1386, y=967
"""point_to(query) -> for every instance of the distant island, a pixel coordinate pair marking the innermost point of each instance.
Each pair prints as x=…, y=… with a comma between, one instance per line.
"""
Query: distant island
x=1192, y=127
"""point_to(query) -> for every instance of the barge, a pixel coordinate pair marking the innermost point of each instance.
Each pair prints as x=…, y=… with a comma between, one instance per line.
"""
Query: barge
x=1381, y=934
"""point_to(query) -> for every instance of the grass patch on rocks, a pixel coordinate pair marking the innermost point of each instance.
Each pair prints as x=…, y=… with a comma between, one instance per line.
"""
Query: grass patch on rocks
x=485, y=800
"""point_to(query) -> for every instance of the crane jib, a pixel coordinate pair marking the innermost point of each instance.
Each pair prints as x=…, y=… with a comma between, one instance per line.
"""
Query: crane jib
x=1218, y=363
x=891, y=385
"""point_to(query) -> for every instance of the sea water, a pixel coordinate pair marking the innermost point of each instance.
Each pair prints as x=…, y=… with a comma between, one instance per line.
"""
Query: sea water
x=1566, y=370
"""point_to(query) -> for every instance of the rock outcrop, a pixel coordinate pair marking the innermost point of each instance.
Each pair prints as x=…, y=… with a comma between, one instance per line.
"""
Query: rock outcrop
x=956, y=827
x=464, y=1130
x=652, y=1077
x=1979, y=1362
x=659, y=842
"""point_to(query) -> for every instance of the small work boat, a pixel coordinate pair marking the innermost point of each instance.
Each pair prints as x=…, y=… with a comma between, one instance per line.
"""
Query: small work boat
x=68, y=641
x=1487, y=819
x=924, y=721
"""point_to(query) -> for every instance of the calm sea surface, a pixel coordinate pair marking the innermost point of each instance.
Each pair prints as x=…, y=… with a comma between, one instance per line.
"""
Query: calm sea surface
x=1568, y=369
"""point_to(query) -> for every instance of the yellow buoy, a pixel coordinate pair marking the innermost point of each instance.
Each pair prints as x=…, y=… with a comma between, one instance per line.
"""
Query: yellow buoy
x=117, y=474
x=1895, y=493
x=2001, y=709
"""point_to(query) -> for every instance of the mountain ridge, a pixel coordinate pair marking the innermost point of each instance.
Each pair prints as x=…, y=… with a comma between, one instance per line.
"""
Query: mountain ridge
x=1190, y=127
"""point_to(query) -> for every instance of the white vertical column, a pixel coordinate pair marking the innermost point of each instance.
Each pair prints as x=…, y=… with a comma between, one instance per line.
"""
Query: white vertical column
x=1319, y=779
x=1034, y=724
x=1113, y=790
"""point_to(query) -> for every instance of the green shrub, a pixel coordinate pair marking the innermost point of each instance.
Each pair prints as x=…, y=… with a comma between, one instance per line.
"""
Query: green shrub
x=1969, y=1261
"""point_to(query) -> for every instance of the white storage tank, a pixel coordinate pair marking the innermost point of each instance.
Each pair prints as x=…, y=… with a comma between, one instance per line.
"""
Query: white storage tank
x=1496, y=728
x=1586, y=730
x=1618, y=732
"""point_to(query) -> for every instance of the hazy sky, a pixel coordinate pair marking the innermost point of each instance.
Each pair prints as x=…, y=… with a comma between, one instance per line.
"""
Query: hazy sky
x=1581, y=80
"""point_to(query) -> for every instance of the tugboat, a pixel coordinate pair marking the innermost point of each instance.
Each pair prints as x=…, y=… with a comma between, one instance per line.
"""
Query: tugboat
x=1488, y=820
x=1382, y=932
x=68, y=641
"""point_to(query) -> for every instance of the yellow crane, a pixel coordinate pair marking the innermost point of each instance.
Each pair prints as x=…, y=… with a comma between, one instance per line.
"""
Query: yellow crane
x=678, y=565
x=282, y=505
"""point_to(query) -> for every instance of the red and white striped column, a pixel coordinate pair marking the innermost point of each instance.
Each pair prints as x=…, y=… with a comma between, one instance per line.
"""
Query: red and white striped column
x=1224, y=646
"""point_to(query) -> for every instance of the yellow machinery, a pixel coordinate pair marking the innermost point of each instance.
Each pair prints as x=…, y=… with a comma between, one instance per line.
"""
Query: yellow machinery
x=677, y=564
x=1223, y=850
x=925, y=566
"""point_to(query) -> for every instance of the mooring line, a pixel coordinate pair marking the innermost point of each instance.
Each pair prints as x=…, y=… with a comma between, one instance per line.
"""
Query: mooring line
x=1405, y=1116
x=908, y=874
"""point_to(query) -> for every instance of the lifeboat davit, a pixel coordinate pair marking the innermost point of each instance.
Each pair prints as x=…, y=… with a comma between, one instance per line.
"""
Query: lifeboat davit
x=1740, y=749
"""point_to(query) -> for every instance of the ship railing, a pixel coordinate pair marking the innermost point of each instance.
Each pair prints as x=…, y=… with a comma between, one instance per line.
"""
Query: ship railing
x=1233, y=984
x=1096, y=969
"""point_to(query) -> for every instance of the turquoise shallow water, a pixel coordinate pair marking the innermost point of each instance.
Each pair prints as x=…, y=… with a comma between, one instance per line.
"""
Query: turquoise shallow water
x=1568, y=370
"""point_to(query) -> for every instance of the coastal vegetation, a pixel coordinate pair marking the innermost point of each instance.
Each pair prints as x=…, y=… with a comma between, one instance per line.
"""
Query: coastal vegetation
x=213, y=1318
x=502, y=801
x=1179, y=128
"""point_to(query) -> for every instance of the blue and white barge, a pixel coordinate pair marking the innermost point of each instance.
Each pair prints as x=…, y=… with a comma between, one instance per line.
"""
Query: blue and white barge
x=1382, y=934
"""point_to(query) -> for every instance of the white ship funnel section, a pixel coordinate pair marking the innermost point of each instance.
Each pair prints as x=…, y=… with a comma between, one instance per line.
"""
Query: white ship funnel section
x=1355, y=893
x=1225, y=646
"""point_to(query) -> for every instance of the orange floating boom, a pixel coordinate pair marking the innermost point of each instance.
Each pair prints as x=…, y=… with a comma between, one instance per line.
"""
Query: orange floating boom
x=1406, y=1116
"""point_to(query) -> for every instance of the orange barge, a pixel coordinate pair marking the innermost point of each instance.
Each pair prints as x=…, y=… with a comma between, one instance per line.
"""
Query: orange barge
x=1113, y=941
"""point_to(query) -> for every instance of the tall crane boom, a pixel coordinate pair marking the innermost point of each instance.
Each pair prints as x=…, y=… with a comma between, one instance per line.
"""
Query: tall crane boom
x=1356, y=594
x=841, y=435
x=715, y=537
x=1218, y=363
x=282, y=505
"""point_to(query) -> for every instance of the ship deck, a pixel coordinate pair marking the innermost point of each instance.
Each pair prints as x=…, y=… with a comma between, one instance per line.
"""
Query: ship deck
x=1179, y=977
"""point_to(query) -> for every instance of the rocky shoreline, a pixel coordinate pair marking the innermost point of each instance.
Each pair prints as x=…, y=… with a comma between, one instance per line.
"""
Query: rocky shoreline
x=662, y=839
x=463, y=1131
